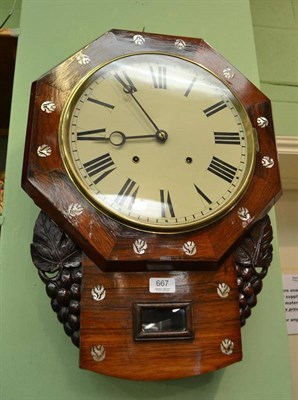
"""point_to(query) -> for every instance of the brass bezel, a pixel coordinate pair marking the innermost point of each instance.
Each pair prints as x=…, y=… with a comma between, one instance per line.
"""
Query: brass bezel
x=65, y=152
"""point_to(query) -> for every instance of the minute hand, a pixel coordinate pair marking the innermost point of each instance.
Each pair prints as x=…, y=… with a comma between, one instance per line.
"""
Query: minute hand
x=128, y=89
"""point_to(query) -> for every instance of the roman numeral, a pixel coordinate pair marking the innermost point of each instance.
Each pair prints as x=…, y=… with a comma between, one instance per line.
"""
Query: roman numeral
x=127, y=193
x=100, y=166
x=202, y=194
x=100, y=103
x=215, y=108
x=85, y=135
x=166, y=204
x=159, y=79
x=227, y=137
x=222, y=169
x=190, y=87
x=125, y=80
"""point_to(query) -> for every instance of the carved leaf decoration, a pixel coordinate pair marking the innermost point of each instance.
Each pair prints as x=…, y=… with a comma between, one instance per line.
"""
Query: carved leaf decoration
x=52, y=249
x=256, y=249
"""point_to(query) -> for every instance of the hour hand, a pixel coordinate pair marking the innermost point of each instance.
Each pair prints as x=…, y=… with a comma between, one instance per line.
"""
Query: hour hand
x=118, y=138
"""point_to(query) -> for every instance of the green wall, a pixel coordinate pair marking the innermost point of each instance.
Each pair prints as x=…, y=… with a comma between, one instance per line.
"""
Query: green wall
x=5, y=9
x=276, y=35
x=38, y=362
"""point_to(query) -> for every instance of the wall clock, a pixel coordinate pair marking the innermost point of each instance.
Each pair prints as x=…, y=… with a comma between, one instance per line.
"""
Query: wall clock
x=156, y=158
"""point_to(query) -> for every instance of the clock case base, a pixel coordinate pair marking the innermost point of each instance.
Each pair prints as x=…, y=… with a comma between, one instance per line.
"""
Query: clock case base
x=108, y=338
x=105, y=323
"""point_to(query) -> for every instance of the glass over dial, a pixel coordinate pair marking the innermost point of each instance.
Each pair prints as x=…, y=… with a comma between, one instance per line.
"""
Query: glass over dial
x=157, y=142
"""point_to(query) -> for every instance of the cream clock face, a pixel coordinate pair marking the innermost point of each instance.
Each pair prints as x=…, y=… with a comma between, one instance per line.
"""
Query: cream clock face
x=157, y=142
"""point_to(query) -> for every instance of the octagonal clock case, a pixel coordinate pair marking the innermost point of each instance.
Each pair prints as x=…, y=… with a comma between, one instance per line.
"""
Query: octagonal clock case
x=154, y=162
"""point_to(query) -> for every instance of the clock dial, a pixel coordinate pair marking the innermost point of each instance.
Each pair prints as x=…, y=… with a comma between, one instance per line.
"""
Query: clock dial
x=157, y=142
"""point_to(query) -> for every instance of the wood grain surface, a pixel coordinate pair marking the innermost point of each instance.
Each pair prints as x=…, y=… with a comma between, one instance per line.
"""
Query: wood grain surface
x=110, y=323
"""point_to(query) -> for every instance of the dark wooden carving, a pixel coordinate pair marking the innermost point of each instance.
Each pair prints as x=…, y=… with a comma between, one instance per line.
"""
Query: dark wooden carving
x=252, y=259
x=59, y=264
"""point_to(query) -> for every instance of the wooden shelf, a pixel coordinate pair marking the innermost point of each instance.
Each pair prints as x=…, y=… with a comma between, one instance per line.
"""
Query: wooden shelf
x=3, y=132
x=287, y=147
x=8, y=45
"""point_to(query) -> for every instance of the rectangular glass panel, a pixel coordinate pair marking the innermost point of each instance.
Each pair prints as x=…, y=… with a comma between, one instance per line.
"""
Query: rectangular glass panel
x=155, y=321
x=163, y=319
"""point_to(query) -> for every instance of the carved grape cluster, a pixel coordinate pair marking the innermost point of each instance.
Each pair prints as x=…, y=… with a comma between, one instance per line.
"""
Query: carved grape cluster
x=65, y=294
x=249, y=286
x=252, y=260
x=59, y=263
